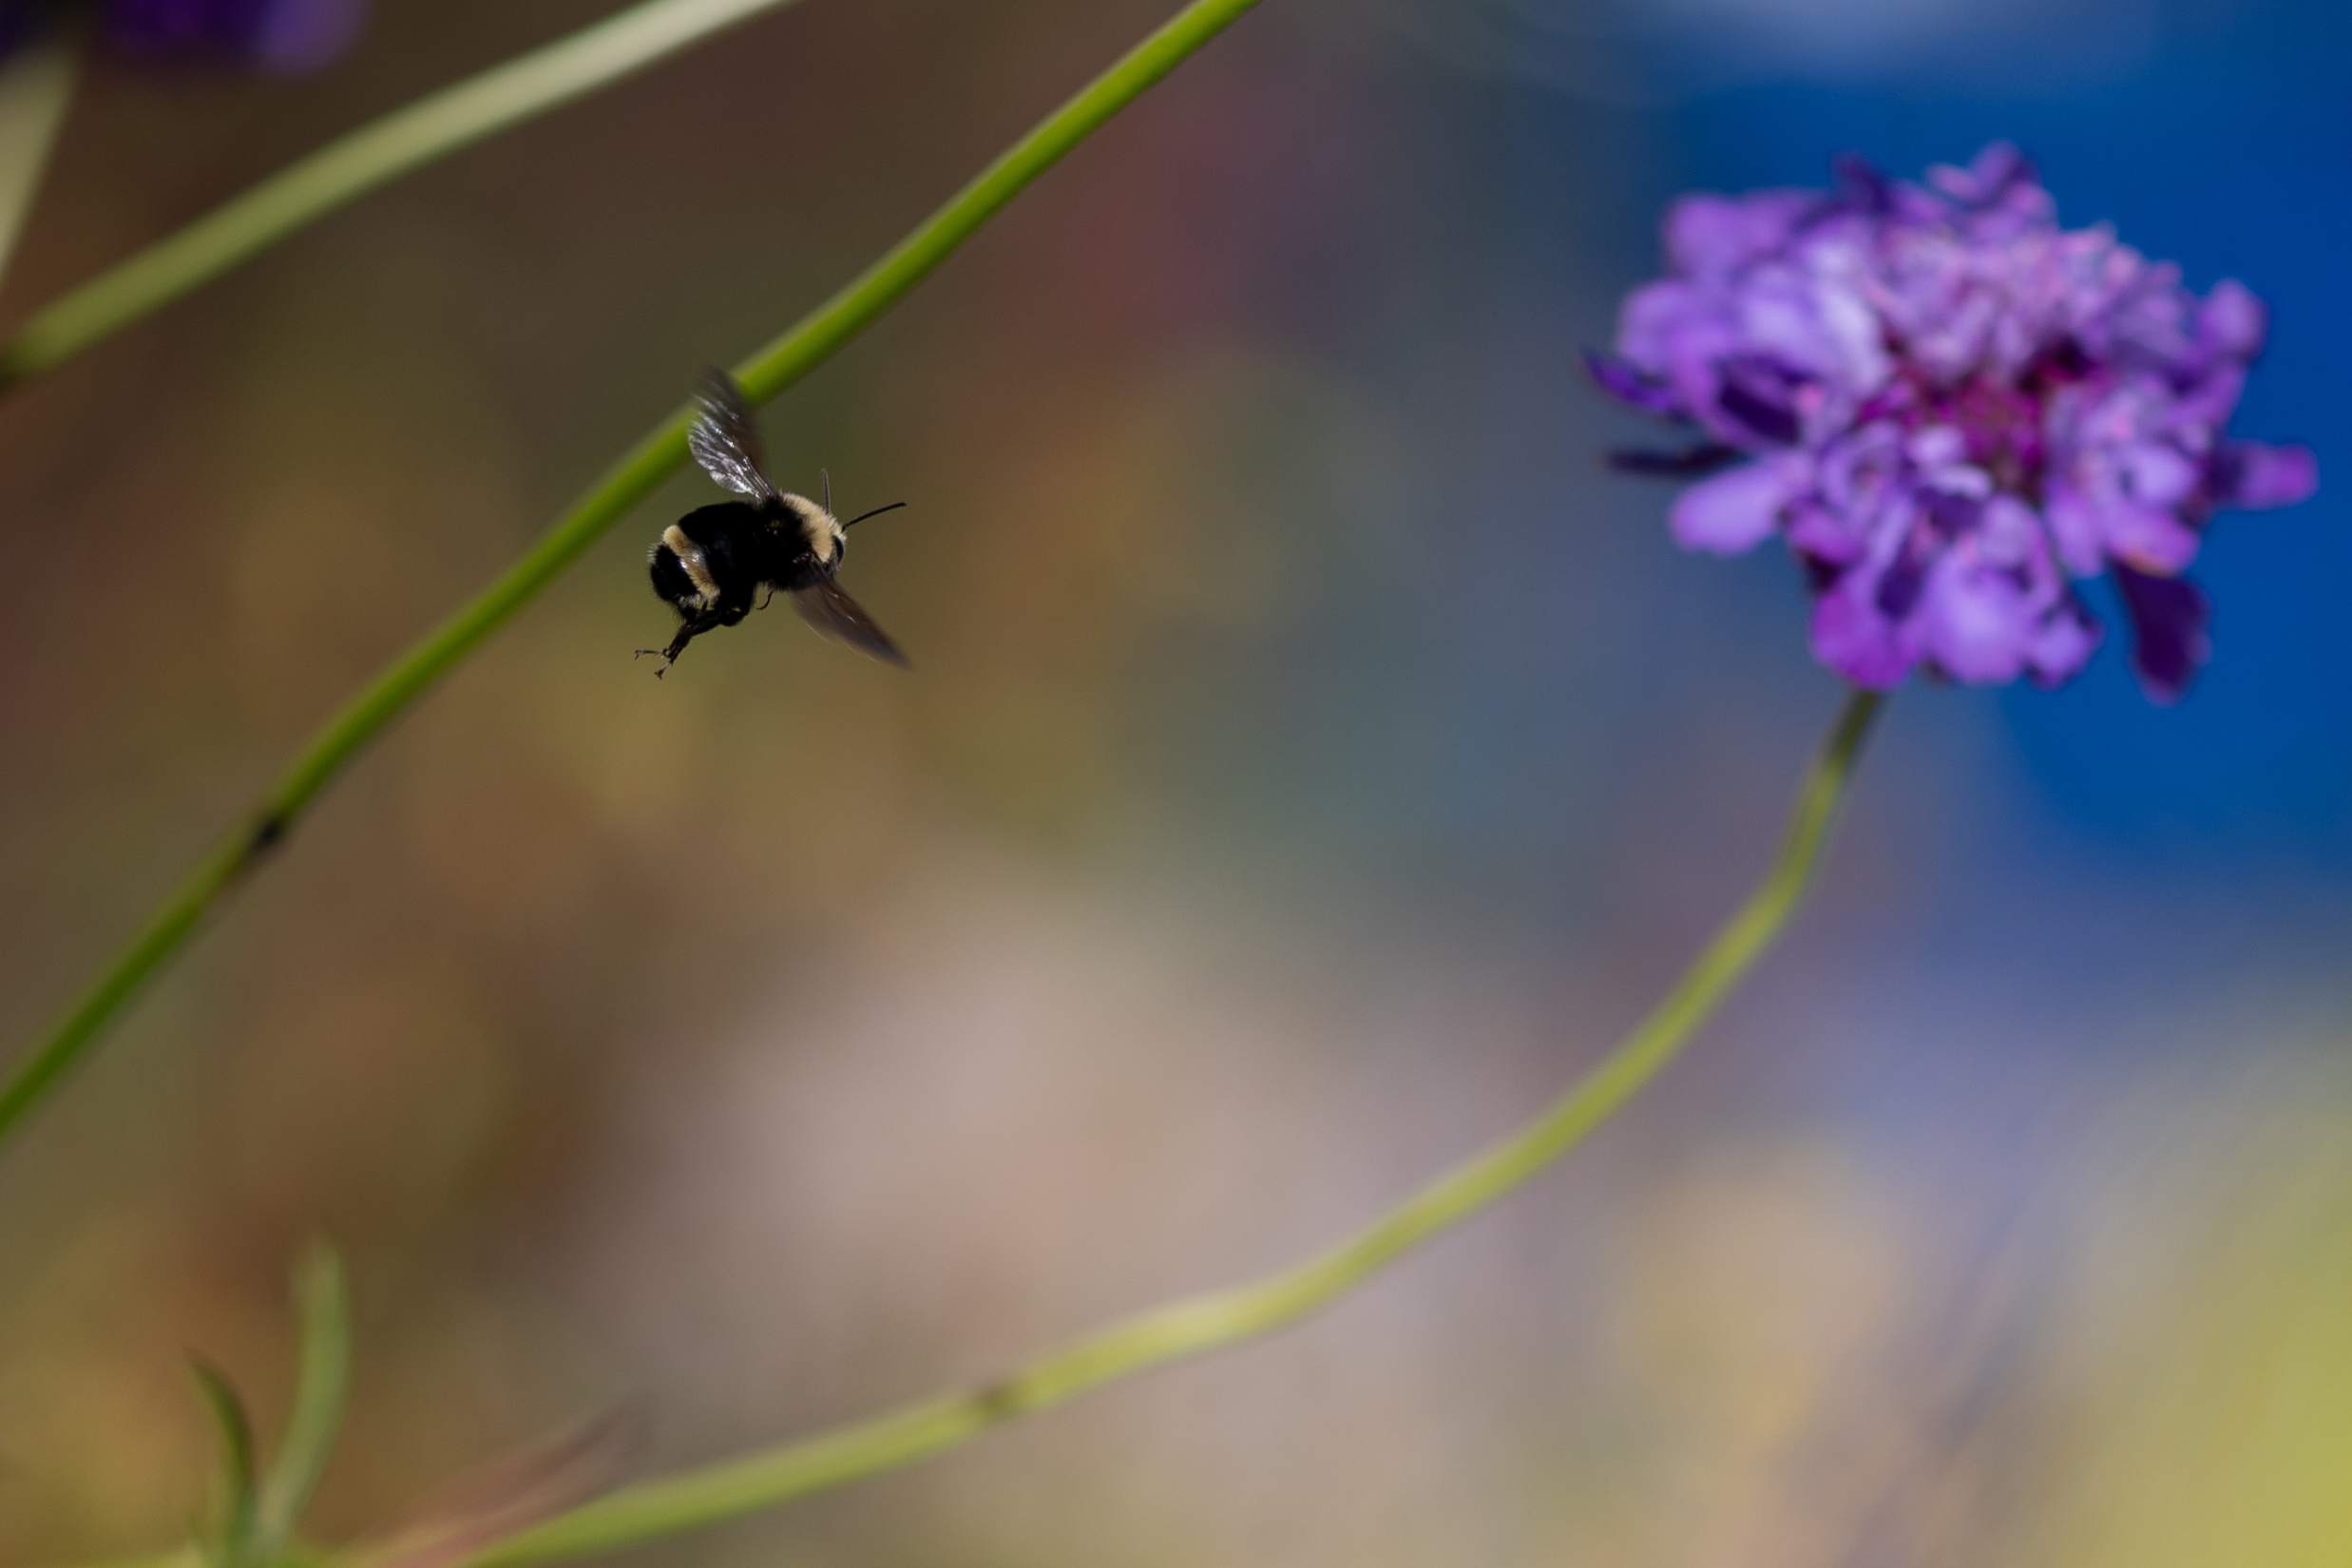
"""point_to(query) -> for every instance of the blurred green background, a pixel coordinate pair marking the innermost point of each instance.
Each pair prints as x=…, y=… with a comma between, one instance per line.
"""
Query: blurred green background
x=1311, y=760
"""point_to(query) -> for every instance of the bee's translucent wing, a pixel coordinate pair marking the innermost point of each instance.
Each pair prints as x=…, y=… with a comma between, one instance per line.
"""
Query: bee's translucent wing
x=723, y=439
x=826, y=608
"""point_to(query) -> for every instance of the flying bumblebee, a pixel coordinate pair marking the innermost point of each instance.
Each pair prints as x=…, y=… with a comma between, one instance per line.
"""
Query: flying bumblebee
x=711, y=563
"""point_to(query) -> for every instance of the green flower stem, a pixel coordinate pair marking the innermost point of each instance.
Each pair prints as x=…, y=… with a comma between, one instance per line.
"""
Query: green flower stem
x=349, y=167
x=1190, y=1328
x=674, y=1504
x=653, y=458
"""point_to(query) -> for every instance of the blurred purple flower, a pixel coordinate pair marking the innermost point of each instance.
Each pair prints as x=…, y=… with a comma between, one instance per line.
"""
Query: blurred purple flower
x=1951, y=410
x=281, y=35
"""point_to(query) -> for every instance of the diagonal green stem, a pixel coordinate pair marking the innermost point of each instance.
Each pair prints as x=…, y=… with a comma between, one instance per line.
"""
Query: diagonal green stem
x=349, y=167
x=653, y=458
x=689, y=1500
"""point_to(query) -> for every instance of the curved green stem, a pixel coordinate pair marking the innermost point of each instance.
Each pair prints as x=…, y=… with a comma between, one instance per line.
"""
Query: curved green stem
x=349, y=167
x=674, y=1504
x=653, y=458
x=1190, y=1328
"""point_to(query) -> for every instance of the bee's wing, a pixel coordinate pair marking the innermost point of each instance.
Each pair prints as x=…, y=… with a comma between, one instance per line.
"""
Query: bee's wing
x=723, y=439
x=826, y=608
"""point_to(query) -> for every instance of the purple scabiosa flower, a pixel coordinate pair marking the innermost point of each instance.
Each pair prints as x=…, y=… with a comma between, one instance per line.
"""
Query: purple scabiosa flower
x=280, y=34
x=1953, y=412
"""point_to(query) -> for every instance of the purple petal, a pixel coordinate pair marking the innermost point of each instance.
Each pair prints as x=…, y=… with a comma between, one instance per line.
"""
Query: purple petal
x=1828, y=534
x=1696, y=462
x=1850, y=636
x=1659, y=321
x=2253, y=475
x=284, y=34
x=2208, y=399
x=1711, y=236
x=1900, y=583
x=1759, y=394
x=2062, y=644
x=1862, y=183
x=1736, y=509
x=2232, y=321
x=2009, y=534
x=1622, y=379
x=1989, y=176
x=301, y=34
x=2156, y=473
x=2168, y=618
x=1978, y=623
x=2150, y=538
x=2075, y=523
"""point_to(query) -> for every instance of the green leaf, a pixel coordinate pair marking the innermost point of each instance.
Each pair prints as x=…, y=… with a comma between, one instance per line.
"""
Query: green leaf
x=232, y=1544
x=321, y=1382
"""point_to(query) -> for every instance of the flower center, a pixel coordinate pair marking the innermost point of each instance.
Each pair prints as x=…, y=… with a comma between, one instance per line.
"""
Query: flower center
x=2001, y=419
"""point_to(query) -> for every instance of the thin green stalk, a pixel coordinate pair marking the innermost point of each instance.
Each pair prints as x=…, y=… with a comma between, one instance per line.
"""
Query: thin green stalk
x=689, y=1500
x=322, y=1380
x=231, y=1545
x=653, y=458
x=37, y=89
x=349, y=167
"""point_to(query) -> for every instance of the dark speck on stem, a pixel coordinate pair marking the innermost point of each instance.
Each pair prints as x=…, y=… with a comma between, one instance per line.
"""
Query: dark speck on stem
x=267, y=834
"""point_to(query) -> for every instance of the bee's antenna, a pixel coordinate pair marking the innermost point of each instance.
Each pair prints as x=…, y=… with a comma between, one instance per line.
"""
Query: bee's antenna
x=826, y=474
x=876, y=512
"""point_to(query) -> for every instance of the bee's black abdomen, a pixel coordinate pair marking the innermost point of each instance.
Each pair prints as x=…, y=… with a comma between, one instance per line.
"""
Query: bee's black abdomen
x=669, y=577
x=734, y=539
x=731, y=544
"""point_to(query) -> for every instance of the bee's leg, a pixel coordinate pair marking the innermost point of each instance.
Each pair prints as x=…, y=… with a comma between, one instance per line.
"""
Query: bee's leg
x=686, y=634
